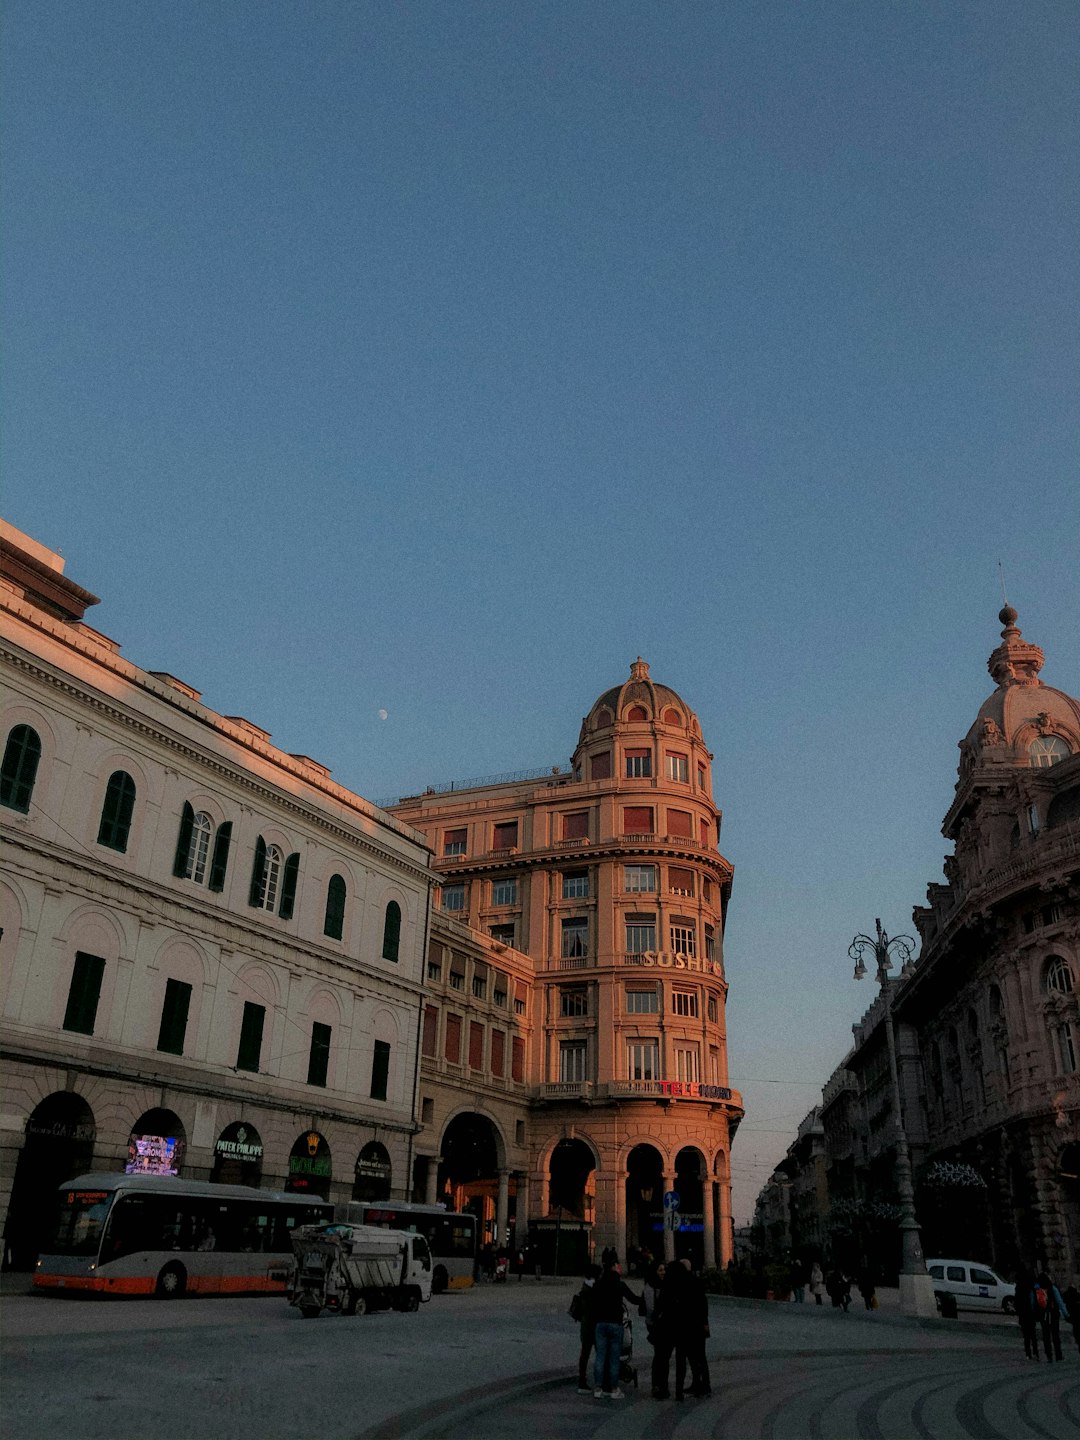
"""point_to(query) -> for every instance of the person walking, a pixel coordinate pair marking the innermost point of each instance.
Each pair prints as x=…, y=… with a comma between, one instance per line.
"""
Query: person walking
x=586, y=1327
x=669, y=1303
x=1025, y=1313
x=1071, y=1296
x=1049, y=1309
x=608, y=1294
x=797, y=1281
x=817, y=1282
x=650, y=1294
x=691, y=1332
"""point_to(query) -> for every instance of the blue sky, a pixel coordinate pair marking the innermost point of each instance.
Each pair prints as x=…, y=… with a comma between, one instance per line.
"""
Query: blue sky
x=441, y=358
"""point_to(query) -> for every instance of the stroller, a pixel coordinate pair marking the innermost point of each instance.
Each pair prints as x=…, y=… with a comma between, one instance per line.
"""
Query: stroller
x=627, y=1368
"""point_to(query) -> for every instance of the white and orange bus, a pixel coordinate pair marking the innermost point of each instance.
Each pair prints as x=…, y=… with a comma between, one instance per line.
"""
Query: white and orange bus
x=156, y=1235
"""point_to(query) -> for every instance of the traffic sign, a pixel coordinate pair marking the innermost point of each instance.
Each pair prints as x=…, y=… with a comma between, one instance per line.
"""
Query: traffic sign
x=671, y=1200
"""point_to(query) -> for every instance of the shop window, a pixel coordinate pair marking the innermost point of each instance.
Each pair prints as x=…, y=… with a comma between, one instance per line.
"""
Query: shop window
x=19, y=771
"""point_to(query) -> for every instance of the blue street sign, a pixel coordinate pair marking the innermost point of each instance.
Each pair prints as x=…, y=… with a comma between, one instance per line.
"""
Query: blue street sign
x=671, y=1200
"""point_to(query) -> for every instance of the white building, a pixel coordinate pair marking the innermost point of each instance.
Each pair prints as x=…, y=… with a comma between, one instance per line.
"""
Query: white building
x=212, y=955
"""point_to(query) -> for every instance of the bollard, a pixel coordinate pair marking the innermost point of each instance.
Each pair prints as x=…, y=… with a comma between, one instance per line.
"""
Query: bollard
x=947, y=1306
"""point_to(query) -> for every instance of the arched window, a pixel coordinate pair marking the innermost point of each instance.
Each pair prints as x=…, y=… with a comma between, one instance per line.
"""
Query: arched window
x=1047, y=750
x=637, y=712
x=1059, y=979
x=116, y=812
x=391, y=937
x=193, y=845
x=21, y=755
x=334, y=919
x=265, y=876
x=1064, y=808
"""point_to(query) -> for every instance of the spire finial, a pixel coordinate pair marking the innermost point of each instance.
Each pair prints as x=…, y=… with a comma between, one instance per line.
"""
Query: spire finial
x=639, y=670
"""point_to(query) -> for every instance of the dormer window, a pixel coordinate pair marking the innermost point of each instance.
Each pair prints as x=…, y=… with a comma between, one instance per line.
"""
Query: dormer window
x=1047, y=750
x=637, y=712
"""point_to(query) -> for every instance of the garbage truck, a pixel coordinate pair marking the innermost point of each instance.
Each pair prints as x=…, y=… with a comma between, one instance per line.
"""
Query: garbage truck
x=351, y=1269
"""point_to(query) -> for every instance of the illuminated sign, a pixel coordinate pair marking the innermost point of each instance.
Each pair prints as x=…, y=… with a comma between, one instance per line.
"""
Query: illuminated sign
x=694, y=1092
x=153, y=1155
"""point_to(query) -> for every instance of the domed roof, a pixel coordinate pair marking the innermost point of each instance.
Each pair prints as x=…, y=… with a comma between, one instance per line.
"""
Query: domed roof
x=1022, y=708
x=642, y=690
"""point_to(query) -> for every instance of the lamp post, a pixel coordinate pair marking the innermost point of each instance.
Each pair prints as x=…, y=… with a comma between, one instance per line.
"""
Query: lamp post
x=916, y=1286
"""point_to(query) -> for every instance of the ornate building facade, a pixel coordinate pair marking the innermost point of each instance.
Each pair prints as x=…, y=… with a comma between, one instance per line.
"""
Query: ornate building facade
x=609, y=880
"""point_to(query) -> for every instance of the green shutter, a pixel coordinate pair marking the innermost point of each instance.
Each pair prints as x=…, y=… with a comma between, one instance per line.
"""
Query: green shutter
x=251, y=1033
x=258, y=873
x=380, y=1070
x=319, y=1056
x=183, y=843
x=391, y=939
x=174, y=1017
x=19, y=771
x=85, y=991
x=117, y=811
x=220, y=862
x=334, y=920
x=288, y=886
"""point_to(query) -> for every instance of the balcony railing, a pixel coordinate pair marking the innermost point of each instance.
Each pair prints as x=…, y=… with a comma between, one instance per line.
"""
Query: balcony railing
x=637, y=1090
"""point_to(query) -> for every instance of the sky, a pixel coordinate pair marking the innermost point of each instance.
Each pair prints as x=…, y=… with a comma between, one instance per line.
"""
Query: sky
x=432, y=361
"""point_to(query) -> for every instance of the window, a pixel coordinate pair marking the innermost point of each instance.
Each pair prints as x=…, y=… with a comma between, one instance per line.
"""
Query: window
x=380, y=1070
x=575, y=885
x=1066, y=1045
x=643, y=1060
x=982, y=1277
x=220, y=863
x=684, y=939
x=684, y=1002
x=453, y=897
x=573, y=1003
x=193, y=845
x=1051, y=914
x=499, y=995
x=391, y=935
x=681, y=882
x=640, y=934
x=505, y=835
x=498, y=1054
x=519, y=1005
x=710, y=942
x=319, y=1055
x=687, y=1065
x=429, y=1045
x=251, y=1033
x=476, y=1045
x=454, y=842
x=1033, y=819
x=639, y=879
x=174, y=1017
x=637, y=712
x=600, y=766
x=642, y=1002
x=84, y=993
x=701, y=777
x=712, y=1010
x=427, y=1109
x=638, y=820
x=504, y=891
x=705, y=833
x=452, y=1039
x=572, y=1057
x=434, y=969
x=680, y=822
x=504, y=934
x=334, y=918
x=457, y=973
x=116, y=812
x=714, y=1065
x=517, y=1057
x=678, y=768
x=21, y=755
x=273, y=879
x=575, y=826
x=638, y=764
x=479, y=987
x=1047, y=750
x=575, y=938
x=1059, y=978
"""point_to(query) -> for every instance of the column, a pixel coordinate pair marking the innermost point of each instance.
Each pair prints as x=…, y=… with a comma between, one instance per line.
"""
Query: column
x=502, y=1209
x=727, y=1233
x=669, y=1234
x=708, y=1206
x=431, y=1180
x=619, y=1213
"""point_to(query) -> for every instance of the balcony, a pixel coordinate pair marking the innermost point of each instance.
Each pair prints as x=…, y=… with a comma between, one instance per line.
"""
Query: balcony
x=591, y=1090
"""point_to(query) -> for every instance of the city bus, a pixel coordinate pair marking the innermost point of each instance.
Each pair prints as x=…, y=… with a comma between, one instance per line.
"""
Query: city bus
x=156, y=1235
x=451, y=1235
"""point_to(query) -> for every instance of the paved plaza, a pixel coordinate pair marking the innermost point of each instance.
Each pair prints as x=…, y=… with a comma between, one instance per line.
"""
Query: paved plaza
x=501, y=1361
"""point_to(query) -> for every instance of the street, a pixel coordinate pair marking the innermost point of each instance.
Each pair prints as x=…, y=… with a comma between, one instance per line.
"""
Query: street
x=501, y=1361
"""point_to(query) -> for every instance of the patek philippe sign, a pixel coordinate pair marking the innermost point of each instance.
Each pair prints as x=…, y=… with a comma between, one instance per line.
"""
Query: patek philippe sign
x=239, y=1143
x=677, y=960
x=694, y=1092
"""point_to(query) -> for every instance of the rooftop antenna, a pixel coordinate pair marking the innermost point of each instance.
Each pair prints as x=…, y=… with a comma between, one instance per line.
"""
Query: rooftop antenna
x=1001, y=574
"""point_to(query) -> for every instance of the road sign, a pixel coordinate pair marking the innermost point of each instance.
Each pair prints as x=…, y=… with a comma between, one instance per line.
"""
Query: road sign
x=671, y=1200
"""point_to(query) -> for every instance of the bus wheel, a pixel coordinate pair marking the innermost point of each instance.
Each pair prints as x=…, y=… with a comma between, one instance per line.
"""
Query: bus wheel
x=439, y=1280
x=309, y=1312
x=172, y=1282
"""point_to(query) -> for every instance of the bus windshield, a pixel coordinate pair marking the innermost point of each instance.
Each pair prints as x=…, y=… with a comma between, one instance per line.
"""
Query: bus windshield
x=82, y=1220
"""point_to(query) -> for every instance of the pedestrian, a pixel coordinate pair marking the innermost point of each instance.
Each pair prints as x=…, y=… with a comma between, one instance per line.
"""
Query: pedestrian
x=608, y=1293
x=867, y=1283
x=798, y=1281
x=650, y=1294
x=691, y=1332
x=519, y=1264
x=1071, y=1296
x=817, y=1282
x=669, y=1303
x=839, y=1288
x=1049, y=1309
x=586, y=1327
x=1025, y=1313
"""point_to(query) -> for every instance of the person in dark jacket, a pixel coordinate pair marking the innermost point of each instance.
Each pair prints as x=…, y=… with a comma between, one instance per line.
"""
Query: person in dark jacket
x=1025, y=1315
x=691, y=1332
x=1071, y=1296
x=608, y=1294
x=586, y=1327
x=1049, y=1310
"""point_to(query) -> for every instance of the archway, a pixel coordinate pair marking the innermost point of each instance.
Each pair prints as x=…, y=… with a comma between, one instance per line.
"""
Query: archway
x=58, y=1145
x=238, y=1156
x=310, y=1166
x=563, y=1235
x=469, y=1172
x=1068, y=1177
x=157, y=1144
x=690, y=1174
x=645, y=1201
x=373, y=1174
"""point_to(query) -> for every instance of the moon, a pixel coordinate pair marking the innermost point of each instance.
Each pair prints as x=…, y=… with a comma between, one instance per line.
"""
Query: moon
x=384, y=714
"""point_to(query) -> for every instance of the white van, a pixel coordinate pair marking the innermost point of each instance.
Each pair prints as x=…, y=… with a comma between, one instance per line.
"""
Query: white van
x=973, y=1285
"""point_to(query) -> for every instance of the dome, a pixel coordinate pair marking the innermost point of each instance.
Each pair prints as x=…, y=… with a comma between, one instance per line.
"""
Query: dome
x=641, y=693
x=1022, y=710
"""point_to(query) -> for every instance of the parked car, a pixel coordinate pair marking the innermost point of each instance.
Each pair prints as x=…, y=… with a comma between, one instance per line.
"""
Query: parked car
x=973, y=1285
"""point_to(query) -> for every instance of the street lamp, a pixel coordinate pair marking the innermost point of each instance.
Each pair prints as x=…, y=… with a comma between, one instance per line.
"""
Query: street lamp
x=916, y=1286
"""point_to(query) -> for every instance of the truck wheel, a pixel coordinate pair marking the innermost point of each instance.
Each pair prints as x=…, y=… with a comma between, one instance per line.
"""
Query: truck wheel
x=411, y=1302
x=439, y=1280
x=356, y=1305
x=1009, y=1305
x=171, y=1283
x=309, y=1312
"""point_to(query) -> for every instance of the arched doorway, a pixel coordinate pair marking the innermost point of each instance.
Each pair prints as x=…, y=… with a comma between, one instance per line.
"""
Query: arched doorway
x=469, y=1173
x=156, y=1144
x=58, y=1144
x=373, y=1174
x=690, y=1187
x=1068, y=1176
x=564, y=1234
x=645, y=1201
x=238, y=1156
x=310, y=1166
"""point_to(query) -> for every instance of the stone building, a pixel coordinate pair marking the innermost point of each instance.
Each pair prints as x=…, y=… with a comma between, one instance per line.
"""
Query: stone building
x=994, y=993
x=608, y=878
x=213, y=956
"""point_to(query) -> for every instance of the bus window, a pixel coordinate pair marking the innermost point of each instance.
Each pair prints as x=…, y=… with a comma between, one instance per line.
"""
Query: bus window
x=82, y=1219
